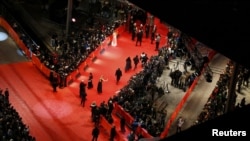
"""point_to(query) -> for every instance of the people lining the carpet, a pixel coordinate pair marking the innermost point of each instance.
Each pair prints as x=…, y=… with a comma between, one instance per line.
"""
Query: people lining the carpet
x=216, y=104
x=69, y=54
x=104, y=109
x=138, y=97
x=11, y=124
x=134, y=97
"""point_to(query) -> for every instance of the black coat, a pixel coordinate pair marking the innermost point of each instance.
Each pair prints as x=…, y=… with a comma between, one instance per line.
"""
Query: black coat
x=95, y=132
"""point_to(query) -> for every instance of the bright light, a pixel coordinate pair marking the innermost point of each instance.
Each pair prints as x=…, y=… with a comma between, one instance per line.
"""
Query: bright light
x=73, y=20
x=3, y=36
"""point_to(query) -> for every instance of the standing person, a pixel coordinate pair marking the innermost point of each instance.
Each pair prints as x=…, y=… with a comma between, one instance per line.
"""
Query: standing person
x=93, y=107
x=112, y=133
x=54, y=82
x=153, y=33
x=82, y=86
x=83, y=93
x=157, y=41
x=143, y=58
x=83, y=99
x=99, y=85
x=134, y=31
x=179, y=124
x=95, y=133
x=136, y=61
x=51, y=76
x=131, y=136
x=118, y=74
x=128, y=65
x=110, y=107
x=90, y=81
x=122, y=124
x=139, y=35
x=147, y=29
x=6, y=94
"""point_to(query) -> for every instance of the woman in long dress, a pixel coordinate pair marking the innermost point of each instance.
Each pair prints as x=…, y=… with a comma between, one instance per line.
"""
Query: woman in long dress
x=90, y=82
x=99, y=85
x=128, y=65
x=114, y=39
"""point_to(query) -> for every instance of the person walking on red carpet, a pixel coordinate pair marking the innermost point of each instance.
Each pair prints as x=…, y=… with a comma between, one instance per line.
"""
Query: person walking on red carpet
x=153, y=33
x=128, y=65
x=136, y=61
x=118, y=74
x=112, y=133
x=157, y=41
x=54, y=82
x=82, y=86
x=90, y=81
x=139, y=35
x=95, y=133
x=83, y=93
x=99, y=85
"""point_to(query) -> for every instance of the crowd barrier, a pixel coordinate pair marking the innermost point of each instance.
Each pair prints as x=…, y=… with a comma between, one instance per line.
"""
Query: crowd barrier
x=107, y=126
x=45, y=71
x=129, y=120
x=36, y=61
x=183, y=100
x=14, y=36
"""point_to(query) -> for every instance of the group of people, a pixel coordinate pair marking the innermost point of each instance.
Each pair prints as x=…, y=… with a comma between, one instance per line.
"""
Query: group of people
x=12, y=127
x=132, y=97
x=218, y=99
x=138, y=31
x=136, y=60
x=104, y=110
x=89, y=85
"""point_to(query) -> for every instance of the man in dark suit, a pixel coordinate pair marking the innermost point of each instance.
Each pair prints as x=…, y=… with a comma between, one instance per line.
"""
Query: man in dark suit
x=95, y=133
x=82, y=87
x=139, y=35
x=136, y=61
x=112, y=133
x=118, y=74
x=122, y=124
x=83, y=93
x=54, y=82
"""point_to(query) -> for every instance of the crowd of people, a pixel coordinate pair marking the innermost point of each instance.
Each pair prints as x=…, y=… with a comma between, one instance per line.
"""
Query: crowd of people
x=216, y=104
x=68, y=53
x=138, y=97
x=133, y=97
x=12, y=127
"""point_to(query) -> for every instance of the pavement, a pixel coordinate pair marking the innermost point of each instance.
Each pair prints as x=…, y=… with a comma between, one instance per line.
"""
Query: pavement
x=198, y=98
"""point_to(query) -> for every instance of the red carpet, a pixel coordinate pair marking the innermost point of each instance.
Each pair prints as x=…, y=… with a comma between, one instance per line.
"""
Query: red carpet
x=59, y=116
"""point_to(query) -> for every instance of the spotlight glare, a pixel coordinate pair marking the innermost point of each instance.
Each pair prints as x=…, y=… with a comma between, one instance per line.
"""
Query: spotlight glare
x=3, y=36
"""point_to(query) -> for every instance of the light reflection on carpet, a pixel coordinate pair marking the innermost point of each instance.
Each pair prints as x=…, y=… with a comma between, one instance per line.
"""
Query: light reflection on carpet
x=50, y=108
